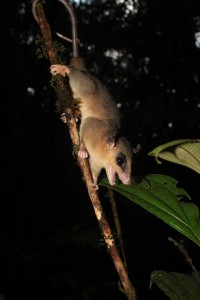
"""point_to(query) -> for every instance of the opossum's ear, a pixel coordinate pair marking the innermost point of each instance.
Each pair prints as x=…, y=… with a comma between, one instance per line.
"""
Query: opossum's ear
x=137, y=148
x=111, y=140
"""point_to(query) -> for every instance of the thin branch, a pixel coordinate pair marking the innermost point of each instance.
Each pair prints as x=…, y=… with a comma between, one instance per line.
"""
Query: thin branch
x=188, y=259
x=117, y=224
x=63, y=93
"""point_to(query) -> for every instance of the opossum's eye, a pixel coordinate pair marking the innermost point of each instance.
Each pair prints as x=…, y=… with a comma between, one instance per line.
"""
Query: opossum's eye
x=121, y=159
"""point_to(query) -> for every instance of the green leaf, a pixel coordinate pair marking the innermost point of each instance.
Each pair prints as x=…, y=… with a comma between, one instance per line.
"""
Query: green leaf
x=183, y=152
x=176, y=286
x=160, y=195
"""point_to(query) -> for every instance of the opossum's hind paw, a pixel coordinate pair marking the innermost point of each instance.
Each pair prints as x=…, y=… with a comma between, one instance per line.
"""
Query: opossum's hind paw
x=82, y=153
x=63, y=118
x=59, y=69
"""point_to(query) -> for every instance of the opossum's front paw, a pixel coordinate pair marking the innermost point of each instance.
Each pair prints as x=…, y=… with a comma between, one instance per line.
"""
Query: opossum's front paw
x=82, y=153
x=96, y=187
x=59, y=69
x=94, y=183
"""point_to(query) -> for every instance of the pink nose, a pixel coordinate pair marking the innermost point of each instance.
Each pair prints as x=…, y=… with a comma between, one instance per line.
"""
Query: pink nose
x=125, y=179
x=127, y=182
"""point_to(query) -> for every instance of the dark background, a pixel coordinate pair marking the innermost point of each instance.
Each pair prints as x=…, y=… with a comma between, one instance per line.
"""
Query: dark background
x=50, y=243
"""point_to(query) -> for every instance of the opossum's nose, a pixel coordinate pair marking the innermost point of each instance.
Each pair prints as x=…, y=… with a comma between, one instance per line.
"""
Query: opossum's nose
x=125, y=178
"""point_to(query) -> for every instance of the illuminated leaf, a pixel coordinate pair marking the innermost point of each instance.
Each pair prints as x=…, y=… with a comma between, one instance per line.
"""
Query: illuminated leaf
x=160, y=195
x=183, y=152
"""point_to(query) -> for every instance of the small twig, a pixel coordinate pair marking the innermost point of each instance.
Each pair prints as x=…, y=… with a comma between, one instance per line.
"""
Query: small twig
x=63, y=91
x=117, y=225
x=188, y=259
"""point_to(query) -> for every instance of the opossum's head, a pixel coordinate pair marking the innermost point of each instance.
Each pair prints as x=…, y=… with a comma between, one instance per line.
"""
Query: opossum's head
x=118, y=160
